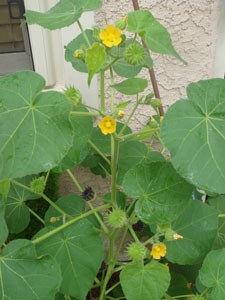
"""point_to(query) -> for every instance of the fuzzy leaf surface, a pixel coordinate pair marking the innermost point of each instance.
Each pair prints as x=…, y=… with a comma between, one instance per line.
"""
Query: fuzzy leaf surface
x=30, y=277
x=198, y=225
x=17, y=213
x=161, y=192
x=212, y=274
x=79, y=251
x=35, y=129
x=149, y=281
x=194, y=132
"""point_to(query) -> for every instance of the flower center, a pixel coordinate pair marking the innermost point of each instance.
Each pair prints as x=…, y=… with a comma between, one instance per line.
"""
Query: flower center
x=108, y=124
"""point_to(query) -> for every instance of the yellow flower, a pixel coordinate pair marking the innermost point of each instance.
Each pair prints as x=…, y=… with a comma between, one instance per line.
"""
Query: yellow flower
x=158, y=250
x=110, y=36
x=107, y=125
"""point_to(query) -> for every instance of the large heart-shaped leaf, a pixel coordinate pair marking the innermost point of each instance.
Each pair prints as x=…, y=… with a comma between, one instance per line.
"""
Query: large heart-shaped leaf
x=212, y=273
x=71, y=204
x=3, y=226
x=219, y=203
x=131, y=153
x=194, y=132
x=25, y=276
x=198, y=225
x=79, y=251
x=141, y=282
x=35, y=129
x=17, y=214
x=83, y=127
x=161, y=192
x=64, y=13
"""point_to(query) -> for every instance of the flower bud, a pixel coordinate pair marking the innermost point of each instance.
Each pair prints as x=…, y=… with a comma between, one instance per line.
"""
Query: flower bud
x=121, y=23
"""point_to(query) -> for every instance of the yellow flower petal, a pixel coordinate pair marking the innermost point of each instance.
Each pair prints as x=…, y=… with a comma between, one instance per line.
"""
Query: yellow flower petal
x=107, y=125
x=158, y=250
x=110, y=36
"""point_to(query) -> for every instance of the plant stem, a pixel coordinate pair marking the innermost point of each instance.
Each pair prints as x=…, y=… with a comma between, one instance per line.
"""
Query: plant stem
x=137, y=134
x=36, y=215
x=62, y=212
x=111, y=63
x=84, y=113
x=221, y=216
x=99, y=152
x=182, y=296
x=132, y=232
x=111, y=90
x=151, y=71
x=75, y=181
x=102, y=90
x=129, y=118
x=112, y=287
x=70, y=222
x=114, y=155
x=84, y=33
x=104, y=228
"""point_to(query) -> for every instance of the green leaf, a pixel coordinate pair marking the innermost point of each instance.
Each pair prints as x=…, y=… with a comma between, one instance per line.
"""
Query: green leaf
x=131, y=153
x=3, y=226
x=25, y=276
x=78, y=43
x=82, y=128
x=36, y=132
x=95, y=58
x=17, y=214
x=4, y=187
x=71, y=204
x=153, y=32
x=198, y=225
x=219, y=203
x=89, y=5
x=123, y=69
x=139, y=20
x=64, y=13
x=131, y=86
x=79, y=251
x=162, y=194
x=158, y=40
x=212, y=274
x=194, y=133
x=141, y=282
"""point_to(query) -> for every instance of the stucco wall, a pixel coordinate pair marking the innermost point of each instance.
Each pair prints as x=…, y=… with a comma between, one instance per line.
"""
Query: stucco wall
x=193, y=27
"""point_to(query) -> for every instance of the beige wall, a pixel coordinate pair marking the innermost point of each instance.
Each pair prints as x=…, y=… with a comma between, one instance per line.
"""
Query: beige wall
x=193, y=28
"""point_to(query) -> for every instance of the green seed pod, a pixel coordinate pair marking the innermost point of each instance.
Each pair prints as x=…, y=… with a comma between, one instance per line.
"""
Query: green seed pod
x=136, y=251
x=117, y=218
x=134, y=54
x=73, y=95
x=38, y=184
